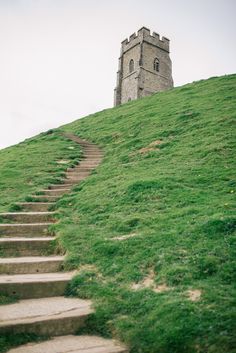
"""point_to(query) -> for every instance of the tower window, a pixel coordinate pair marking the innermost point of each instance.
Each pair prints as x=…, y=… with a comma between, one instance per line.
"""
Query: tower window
x=156, y=65
x=131, y=65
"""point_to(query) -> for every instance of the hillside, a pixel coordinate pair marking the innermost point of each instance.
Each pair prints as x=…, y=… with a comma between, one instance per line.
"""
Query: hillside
x=32, y=164
x=152, y=229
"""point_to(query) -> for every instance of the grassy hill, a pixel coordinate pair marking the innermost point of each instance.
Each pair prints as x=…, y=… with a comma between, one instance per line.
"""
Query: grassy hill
x=34, y=164
x=152, y=229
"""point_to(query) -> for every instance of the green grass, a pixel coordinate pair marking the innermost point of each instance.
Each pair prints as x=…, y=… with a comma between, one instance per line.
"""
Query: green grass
x=32, y=165
x=7, y=300
x=25, y=169
x=176, y=198
x=11, y=340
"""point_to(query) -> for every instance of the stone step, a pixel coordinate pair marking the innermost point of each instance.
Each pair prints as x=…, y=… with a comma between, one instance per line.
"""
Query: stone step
x=25, y=286
x=46, y=316
x=78, y=172
x=30, y=264
x=73, y=181
x=35, y=206
x=28, y=217
x=56, y=192
x=25, y=229
x=45, y=198
x=93, y=155
x=90, y=166
x=73, y=344
x=88, y=163
x=79, y=169
x=90, y=150
x=91, y=147
x=91, y=159
x=59, y=186
x=75, y=176
x=37, y=246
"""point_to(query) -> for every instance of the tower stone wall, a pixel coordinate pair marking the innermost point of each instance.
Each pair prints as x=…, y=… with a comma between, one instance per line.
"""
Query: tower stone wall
x=144, y=66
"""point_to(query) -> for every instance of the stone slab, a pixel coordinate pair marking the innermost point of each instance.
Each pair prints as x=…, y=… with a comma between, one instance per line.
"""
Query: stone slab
x=25, y=286
x=61, y=186
x=56, y=192
x=45, y=198
x=19, y=246
x=30, y=264
x=28, y=217
x=78, y=172
x=73, y=344
x=24, y=229
x=45, y=316
x=35, y=206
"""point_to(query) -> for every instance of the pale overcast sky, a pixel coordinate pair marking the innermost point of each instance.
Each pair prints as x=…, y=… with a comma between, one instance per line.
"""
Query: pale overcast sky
x=58, y=58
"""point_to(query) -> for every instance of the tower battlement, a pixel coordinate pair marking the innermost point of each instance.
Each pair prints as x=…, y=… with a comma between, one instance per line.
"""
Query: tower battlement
x=144, y=66
x=144, y=34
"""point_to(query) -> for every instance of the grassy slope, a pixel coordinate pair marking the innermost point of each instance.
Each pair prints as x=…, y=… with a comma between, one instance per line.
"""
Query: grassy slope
x=178, y=201
x=24, y=169
x=32, y=165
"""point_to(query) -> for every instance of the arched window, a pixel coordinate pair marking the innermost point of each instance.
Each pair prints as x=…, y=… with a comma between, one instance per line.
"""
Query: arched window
x=156, y=65
x=131, y=65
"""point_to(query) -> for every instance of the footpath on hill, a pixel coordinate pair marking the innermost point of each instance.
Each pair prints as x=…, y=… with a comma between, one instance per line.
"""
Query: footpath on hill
x=152, y=230
x=32, y=274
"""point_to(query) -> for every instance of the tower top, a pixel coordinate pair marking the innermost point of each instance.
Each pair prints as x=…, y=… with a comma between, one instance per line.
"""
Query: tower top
x=144, y=66
x=144, y=35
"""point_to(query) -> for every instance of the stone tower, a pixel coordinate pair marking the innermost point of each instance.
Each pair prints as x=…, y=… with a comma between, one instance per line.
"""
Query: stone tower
x=144, y=66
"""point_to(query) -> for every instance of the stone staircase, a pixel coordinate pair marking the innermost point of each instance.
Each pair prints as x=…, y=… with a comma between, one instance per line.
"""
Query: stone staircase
x=33, y=274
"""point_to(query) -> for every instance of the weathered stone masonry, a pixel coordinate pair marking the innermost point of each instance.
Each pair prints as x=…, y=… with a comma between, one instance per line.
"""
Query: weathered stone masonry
x=144, y=66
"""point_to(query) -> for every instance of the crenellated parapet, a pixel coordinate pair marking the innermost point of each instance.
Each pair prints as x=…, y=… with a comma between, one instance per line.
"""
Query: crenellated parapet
x=144, y=35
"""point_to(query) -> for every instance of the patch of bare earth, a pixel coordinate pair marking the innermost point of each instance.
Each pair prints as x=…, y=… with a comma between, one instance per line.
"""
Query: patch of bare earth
x=194, y=295
x=155, y=143
x=148, y=282
x=151, y=147
x=161, y=288
x=146, y=150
